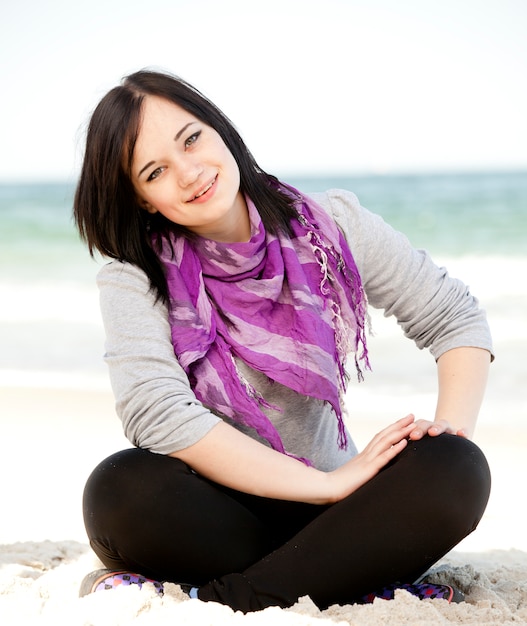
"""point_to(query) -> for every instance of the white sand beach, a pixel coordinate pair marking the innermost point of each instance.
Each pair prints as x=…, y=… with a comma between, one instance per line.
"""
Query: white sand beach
x=55, y=429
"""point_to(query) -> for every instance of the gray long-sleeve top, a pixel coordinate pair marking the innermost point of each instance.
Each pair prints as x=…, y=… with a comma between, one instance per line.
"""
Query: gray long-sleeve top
x=154, y=400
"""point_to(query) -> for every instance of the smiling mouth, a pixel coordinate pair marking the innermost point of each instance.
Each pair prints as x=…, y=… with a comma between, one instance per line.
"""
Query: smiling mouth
x=204, y=191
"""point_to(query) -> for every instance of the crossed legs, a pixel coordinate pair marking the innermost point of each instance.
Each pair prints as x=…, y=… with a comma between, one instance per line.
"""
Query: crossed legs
x=152, y=514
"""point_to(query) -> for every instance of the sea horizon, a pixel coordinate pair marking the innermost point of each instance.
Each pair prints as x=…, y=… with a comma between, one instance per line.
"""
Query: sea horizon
x=453, y=213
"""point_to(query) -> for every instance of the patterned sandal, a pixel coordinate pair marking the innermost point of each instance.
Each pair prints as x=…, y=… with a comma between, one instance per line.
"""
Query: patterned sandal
x=103, y=579
x=423, y=591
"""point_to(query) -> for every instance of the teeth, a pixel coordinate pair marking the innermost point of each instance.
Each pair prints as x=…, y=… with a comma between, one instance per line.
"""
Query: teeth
x=205, y=190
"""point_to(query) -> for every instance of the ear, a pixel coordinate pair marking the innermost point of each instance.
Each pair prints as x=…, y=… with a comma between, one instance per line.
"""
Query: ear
x=147, y=207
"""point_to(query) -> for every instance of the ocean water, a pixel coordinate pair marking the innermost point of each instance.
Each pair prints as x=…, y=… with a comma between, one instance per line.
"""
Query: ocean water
x=452, y=215
x=51, y=333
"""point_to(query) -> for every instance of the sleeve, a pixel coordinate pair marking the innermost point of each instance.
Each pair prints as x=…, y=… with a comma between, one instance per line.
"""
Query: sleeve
x=153, y=396
x=435, y=310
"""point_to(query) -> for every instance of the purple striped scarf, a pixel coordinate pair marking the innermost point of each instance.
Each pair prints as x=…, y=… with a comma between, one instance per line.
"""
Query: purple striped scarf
x=291, y=307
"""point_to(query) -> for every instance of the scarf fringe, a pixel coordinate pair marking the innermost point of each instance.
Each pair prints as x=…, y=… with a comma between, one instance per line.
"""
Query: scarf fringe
x=344, y=343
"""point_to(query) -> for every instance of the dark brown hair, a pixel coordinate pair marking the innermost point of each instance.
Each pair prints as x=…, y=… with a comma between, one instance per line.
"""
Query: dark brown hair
x=106, y=208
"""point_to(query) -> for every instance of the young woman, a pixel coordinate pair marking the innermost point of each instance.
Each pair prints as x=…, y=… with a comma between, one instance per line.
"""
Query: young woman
x=231, y=306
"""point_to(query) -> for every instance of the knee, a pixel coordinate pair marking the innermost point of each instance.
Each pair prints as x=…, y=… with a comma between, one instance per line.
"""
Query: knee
x=125, y=474
x=458, y=469
x=112, y=475
x=458, y=458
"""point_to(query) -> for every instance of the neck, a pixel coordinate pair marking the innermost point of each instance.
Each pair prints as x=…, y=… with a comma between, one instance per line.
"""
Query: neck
x=235, y=227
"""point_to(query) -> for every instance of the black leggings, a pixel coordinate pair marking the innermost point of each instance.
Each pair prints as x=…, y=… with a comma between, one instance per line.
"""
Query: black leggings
x=153, y=515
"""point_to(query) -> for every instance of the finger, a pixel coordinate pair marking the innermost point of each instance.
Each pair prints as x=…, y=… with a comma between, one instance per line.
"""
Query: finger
x=389, y=437
x=425, y=427
x=440, y=426
x=401, y=425
x=408, y=421
x=376, y=457
x=393, y=451
x=421, y=427
x=436, y=430
x=416, y=434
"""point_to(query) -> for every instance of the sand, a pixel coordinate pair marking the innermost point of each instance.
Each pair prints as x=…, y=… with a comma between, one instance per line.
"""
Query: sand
x=39, y=582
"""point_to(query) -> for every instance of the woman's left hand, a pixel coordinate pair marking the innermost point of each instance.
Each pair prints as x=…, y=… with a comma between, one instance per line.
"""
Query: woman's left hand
x=426, y=427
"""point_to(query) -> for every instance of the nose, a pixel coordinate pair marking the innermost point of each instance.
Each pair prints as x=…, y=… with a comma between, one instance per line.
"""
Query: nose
x=189, y=171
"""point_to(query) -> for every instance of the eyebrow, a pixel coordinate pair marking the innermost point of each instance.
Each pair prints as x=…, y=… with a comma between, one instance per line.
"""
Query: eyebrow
x=178, y=135
x=145, y=168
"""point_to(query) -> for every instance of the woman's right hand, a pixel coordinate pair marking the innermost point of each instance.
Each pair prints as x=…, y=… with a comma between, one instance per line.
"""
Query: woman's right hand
x=384, y=447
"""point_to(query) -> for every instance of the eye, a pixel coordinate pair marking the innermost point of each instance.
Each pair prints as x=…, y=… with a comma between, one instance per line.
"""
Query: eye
x=192, y=139
x=157, y=172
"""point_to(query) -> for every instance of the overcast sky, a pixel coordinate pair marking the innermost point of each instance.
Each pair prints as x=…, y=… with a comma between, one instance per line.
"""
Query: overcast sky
x=324, y=86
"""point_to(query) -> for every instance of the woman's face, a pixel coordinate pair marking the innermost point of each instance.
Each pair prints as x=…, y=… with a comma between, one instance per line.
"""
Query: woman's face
x=182, y=168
